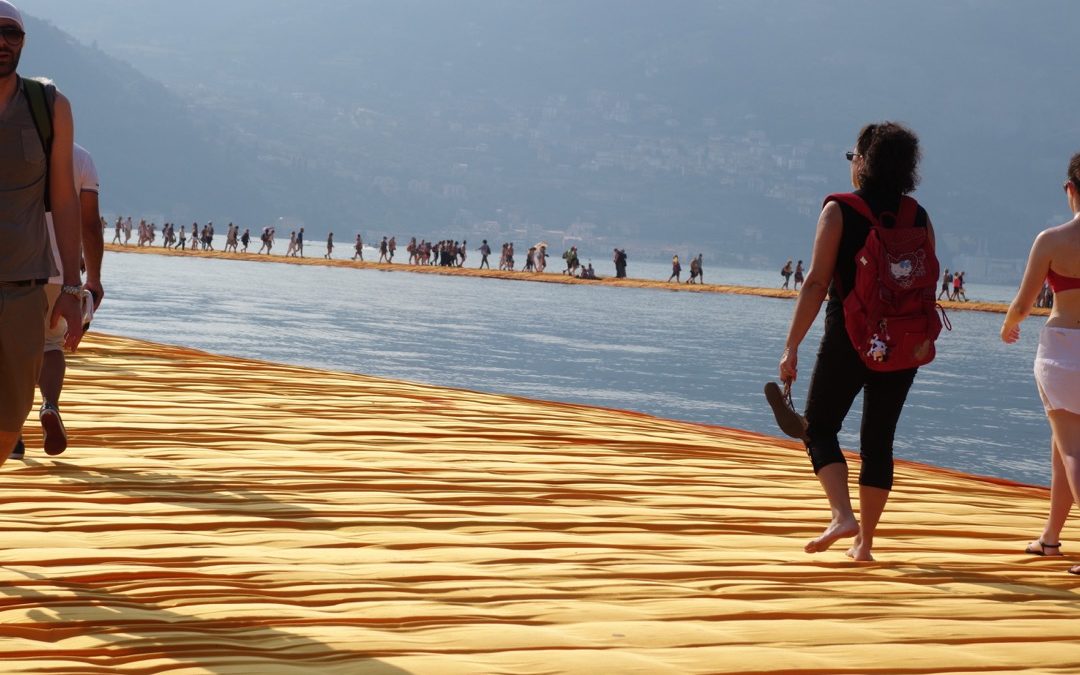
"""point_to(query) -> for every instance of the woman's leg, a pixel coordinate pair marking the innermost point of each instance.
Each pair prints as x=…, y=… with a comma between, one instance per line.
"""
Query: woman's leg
x=838, y=377
x=883, y=401
x=1066, y=433
x=1061, y=501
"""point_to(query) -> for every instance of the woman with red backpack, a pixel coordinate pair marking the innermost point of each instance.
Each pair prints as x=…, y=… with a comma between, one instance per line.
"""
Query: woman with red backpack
x=872, y=239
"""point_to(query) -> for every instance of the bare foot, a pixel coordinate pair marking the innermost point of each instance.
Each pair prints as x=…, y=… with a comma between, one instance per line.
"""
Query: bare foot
x=836, y=530
x=1075, y=570
x=858, y=552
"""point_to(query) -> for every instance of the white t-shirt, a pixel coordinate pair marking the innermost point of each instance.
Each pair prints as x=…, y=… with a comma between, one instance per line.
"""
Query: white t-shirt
x=86, y=180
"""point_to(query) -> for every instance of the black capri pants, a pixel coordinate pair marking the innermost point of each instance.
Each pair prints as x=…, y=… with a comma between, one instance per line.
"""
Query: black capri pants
x=839, y=375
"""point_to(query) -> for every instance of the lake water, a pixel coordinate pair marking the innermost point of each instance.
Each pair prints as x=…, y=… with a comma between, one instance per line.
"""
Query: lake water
x=692, y=356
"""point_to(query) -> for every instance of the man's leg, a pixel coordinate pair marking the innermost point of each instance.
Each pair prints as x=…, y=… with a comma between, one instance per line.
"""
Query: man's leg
x=51, y=380
x=22, y=332
x=8, y=439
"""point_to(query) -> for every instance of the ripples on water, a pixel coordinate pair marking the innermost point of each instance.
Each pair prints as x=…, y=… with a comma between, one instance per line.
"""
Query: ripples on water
x=698, y=357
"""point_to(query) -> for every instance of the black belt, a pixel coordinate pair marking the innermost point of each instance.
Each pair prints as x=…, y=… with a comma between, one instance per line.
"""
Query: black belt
x=23, y=283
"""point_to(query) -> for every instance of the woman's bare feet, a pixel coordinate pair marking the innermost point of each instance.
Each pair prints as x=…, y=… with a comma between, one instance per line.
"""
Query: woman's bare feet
x=837, y=529
x=858, y=552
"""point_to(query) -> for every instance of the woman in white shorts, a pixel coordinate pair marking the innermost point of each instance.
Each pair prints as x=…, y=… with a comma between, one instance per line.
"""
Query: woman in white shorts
x=1055, y=258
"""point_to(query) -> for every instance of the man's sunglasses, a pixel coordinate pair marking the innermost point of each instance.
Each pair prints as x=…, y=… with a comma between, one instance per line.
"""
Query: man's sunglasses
x=851, y=155
x=12, y=35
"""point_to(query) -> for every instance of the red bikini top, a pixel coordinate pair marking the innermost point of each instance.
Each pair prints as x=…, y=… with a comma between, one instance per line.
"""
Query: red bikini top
x=1060, y=282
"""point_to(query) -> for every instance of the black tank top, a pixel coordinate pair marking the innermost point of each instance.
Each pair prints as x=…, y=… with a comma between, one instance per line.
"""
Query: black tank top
x=856, y=229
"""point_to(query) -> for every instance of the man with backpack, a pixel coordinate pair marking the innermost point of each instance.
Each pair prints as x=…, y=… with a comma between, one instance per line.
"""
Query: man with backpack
x=874, y=259
x=36, y=178
x=54, y=364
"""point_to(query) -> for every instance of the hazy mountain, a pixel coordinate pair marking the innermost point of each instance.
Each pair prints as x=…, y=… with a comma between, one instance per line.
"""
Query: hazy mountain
x=716, y=125
x=154, y=155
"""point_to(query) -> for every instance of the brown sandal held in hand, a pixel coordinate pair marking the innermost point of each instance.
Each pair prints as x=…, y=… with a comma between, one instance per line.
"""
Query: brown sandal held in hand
x=791, y=423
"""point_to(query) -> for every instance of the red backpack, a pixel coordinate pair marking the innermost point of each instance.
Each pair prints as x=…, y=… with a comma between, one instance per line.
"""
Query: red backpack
x=891, y=313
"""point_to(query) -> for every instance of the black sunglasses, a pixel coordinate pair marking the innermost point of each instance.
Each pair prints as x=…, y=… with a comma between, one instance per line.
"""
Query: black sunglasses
x=12, y=35
x=851, y=155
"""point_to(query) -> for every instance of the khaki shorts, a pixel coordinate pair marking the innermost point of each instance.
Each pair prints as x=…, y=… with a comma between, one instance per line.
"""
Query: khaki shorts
x=22, y=332
x=54, y=337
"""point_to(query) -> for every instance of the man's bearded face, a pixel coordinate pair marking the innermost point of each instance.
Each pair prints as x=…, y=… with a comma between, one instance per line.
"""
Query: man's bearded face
x=9, y=56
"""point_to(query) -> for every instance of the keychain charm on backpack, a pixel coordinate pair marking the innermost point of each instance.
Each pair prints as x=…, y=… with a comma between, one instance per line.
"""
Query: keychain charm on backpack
x=879, y=347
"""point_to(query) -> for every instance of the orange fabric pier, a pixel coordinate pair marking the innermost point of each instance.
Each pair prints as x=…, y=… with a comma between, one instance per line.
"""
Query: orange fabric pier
x=215, y=515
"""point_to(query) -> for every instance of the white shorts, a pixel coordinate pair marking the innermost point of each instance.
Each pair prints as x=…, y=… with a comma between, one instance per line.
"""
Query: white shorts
x=54, y=337
x=1057, y=368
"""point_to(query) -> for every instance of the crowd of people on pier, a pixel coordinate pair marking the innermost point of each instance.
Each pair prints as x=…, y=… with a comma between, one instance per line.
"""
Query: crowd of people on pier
x=421, y=252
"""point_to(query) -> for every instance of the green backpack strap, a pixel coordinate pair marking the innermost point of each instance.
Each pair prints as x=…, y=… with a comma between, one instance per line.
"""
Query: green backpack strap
x=41, y=98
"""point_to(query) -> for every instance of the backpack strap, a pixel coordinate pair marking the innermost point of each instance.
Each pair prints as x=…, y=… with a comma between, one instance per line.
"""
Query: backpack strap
x=41, y=98
x=856, y=202
x=909, y=209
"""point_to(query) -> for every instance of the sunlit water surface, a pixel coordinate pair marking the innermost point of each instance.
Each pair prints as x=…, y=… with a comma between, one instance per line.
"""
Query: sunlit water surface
x=690, y=356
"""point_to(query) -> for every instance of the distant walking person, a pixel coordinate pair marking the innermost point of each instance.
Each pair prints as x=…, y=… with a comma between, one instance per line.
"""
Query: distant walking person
x=1055, y=257
x=329, y=245
x=485, y=251
x=619, y=258
x=946, y=285
x=786, y=273
x=300, y=243
x=676, y=269
x=358, y=248
x=798, y=276
x=384, y=249
x=884, y=169
x=245, y=239
x=958, y=287
x=695, y=270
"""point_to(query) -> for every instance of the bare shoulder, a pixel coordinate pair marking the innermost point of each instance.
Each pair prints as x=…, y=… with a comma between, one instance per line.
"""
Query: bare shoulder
x=1059, y=233
x=1058, y=241
x=62, y=100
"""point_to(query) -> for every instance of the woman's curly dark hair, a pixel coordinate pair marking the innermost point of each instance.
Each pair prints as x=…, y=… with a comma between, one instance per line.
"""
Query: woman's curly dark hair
x=891, y=155
x=1074, y=171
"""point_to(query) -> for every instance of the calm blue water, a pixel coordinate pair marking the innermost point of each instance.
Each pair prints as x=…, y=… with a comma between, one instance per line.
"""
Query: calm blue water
x=699, y=357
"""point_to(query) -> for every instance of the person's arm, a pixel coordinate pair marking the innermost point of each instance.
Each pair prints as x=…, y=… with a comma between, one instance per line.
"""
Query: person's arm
x=65, y=210
x=93, y=244
x=830, y=228
x=1034, y=275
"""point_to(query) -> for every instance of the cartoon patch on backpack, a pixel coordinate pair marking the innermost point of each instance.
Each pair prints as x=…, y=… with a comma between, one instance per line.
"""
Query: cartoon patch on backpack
x=907, y=268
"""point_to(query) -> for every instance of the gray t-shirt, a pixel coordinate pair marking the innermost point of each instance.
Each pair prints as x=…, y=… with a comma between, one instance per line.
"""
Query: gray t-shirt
x=24, y=241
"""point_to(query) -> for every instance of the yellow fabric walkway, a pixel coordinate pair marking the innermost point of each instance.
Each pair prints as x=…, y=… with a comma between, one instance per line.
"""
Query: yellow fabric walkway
x=224, y=516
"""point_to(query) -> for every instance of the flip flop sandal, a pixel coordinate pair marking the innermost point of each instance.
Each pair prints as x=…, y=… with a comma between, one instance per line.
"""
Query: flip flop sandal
x=1042, y=546
x=790, y=422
